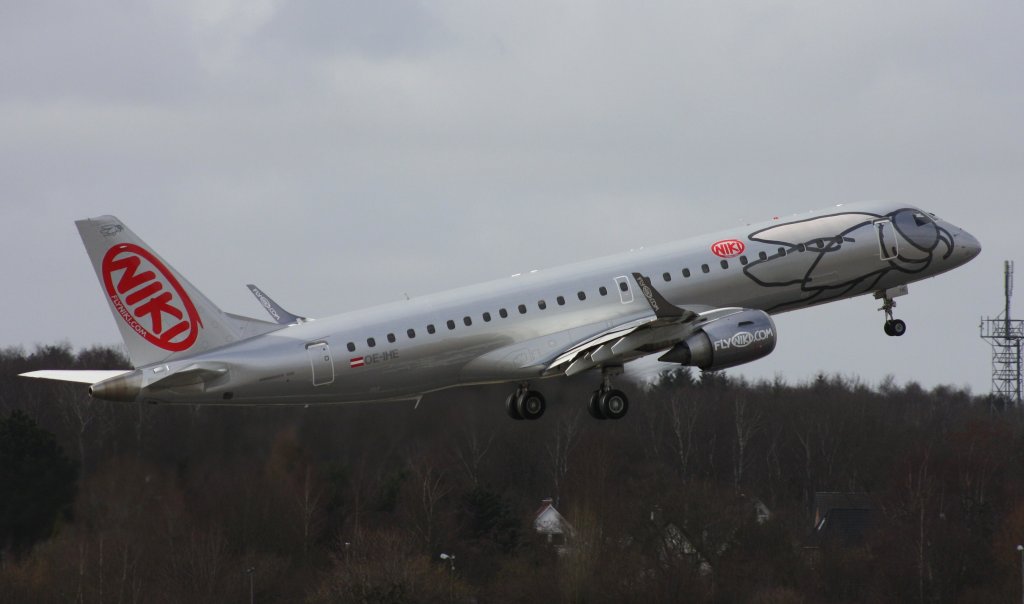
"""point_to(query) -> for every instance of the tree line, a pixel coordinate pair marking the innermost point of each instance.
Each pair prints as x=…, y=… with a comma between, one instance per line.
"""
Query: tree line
x=355, y=503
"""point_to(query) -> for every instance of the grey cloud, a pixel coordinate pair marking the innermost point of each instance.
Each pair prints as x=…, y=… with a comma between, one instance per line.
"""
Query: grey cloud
x=412, y=147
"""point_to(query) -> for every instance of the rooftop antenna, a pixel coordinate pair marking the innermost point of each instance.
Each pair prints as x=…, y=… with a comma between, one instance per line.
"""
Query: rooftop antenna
x=1005, y=336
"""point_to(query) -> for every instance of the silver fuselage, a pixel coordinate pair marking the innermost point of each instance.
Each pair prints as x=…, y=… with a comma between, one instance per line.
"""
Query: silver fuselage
x=785, y=265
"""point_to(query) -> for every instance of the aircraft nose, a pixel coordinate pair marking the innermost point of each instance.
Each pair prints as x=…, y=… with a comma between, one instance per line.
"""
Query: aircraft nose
x=966, y=245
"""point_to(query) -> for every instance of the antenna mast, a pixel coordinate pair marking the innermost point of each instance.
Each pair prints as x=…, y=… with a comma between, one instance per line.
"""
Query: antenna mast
x=1005, y=335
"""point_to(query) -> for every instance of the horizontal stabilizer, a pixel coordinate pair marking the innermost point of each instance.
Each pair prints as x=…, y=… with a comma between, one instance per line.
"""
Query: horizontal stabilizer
x=80, y=376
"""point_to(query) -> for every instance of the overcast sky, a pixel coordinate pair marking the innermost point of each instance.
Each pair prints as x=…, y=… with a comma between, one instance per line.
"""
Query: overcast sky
x=340, y=154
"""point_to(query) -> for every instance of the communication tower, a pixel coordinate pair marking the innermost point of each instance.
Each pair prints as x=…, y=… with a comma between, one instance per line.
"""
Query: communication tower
x=1005, y=336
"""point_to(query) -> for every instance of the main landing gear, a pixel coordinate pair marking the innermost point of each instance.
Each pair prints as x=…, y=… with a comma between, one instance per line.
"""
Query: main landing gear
x=525, y=403
x=607, y=402
x=892, y=327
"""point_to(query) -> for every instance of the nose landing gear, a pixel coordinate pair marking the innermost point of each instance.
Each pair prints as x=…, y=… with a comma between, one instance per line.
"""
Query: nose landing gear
x=892, y=327
x=895, y=327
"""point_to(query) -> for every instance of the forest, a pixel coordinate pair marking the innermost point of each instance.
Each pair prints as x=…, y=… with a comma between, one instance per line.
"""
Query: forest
x=705, y=492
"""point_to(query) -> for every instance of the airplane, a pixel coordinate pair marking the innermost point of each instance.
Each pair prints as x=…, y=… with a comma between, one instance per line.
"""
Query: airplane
x=705, y=302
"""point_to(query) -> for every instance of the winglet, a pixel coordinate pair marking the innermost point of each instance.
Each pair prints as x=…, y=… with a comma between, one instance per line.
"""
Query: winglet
x=662, y=308
x=280, y=315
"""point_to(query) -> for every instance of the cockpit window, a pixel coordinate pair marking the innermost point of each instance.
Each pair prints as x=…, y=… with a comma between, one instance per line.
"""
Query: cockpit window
x=922, y=219
x=917, y=228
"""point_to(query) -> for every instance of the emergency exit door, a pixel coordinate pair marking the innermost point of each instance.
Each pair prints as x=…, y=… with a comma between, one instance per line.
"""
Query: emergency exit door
x=320, y=359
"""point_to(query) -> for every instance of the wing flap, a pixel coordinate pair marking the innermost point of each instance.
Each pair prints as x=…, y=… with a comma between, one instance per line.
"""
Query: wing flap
x=598, y=339
x=625, y=342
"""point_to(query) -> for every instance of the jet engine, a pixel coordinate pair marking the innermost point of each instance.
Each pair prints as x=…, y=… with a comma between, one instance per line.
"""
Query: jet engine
x=732, y=340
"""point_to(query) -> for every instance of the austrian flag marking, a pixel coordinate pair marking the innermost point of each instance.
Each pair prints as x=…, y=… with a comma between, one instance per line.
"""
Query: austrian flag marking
x=356, y=362
x=728, y=248
x=149, y=299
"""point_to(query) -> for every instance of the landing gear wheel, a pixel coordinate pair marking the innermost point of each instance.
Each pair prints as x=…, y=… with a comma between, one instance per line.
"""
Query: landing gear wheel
x=531, y=404
x=892, y=327
x=593, y=407
x=511, y=406
x=613, y=404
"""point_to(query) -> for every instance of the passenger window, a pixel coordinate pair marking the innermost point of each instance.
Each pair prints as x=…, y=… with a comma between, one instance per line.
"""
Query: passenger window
x=487, y=317
x=351, y=347
x=371, y=342
x=560, y=300
x=581, y=295
x=430, y=328
x=743, y=260
x=762, y=255
x=391, y=338
x=667, y=277
x=601, y=290
x=686, y=273
x=541, y=304
x=467, y=321
x=411, y=333
x=705, y=268
x=503, y=313
x=451, y=324
x=725, y=264
x=623, y=286
x=522, y=309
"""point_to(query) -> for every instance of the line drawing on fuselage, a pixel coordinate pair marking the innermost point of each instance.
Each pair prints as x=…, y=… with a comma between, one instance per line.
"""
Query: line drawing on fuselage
x=704, y=302
x=810, y=242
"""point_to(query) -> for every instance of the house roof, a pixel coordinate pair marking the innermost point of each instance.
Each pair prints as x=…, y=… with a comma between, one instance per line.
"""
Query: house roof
x=549, y=521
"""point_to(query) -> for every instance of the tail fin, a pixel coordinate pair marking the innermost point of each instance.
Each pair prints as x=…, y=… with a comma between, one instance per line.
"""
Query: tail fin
x=160, y=314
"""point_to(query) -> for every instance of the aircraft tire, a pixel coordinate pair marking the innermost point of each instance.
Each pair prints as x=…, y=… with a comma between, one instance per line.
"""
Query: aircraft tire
x=531, y=405
x=887, y=328
x=613, y=404
x=898, y=328
x=511, y=407
x=593, y=406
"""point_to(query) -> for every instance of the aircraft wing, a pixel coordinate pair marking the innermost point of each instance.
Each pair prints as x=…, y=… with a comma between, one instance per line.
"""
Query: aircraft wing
x=666, y=326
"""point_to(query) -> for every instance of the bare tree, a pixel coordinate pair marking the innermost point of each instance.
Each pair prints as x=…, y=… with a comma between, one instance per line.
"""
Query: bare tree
x=79, y=413
x=432, y=487
x=747, y=423
x=563, y=440
x=920, y=488
x=309, y=508
x=682, y=419
x=471, y=451
x=773, y=459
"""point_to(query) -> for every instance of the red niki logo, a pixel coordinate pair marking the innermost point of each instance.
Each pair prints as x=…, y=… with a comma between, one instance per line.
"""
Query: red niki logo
x=146, y=292
x=728, y=248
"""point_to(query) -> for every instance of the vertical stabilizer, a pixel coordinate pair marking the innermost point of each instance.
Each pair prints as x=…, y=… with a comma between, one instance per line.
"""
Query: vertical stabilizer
x=160, y=314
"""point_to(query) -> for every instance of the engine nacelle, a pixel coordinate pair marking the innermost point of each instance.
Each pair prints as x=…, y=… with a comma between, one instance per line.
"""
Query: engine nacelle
x=732, y=340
